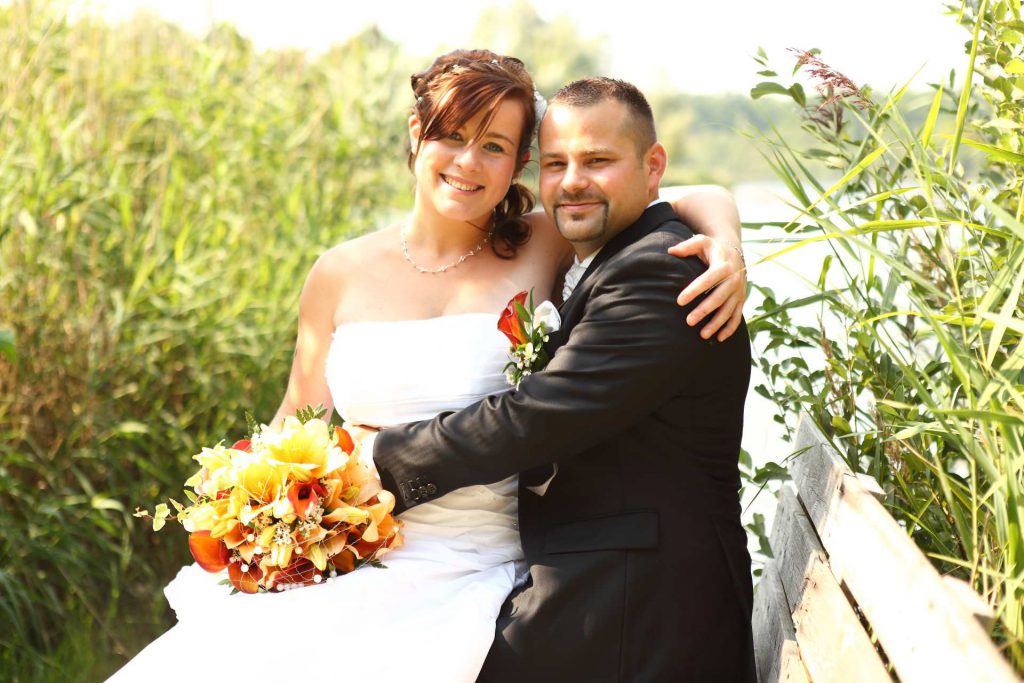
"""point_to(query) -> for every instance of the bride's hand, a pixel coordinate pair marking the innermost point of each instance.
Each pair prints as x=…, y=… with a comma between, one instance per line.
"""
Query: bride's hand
x=725, y=279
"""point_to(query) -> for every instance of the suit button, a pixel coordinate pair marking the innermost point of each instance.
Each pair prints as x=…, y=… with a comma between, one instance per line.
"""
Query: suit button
x=422, y=492
x=431, y=489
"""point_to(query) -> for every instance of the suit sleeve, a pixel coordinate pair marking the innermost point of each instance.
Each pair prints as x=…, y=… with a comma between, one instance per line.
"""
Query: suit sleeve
x=630, y=353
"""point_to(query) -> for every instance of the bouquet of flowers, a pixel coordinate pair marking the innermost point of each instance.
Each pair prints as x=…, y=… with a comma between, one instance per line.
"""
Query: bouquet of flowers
x=527, y=328
x=284, y=508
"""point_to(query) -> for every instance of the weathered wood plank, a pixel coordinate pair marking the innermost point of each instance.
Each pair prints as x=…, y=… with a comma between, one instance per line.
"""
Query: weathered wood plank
x=970, y=601
x=871, y=485
x=766, y=624
x=774, y=637
x=833, y=643
x=927, y=635
x=794, y=544
x=791, y=666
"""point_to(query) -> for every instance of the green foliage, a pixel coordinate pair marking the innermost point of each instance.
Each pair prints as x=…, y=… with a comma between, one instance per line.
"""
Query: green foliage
x=309, y=413
x=553, y=51
x=915, y=362
x=161, y=199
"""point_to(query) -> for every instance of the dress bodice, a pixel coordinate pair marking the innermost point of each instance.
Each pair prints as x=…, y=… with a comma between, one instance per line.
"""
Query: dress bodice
x=382, y=373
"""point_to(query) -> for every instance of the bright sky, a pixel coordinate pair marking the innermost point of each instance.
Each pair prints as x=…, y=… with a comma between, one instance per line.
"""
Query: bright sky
x=693, y=46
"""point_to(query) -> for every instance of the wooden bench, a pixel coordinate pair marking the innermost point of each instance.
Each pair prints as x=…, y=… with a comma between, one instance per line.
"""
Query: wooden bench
x=849, y=597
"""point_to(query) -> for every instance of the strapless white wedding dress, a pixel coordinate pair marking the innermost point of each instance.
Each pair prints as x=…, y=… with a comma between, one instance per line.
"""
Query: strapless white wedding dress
x=430, y=615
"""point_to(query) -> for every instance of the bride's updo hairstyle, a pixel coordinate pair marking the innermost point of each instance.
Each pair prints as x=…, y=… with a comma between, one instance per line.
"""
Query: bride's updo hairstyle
x=456, y=87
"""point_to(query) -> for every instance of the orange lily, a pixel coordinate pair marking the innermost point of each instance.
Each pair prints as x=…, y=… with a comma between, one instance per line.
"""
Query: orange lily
x=344, y=562
x=209, y=552
x=509, y=322
x=343, y=440
x=304, y=494
x=246, y=581
x=300, y=570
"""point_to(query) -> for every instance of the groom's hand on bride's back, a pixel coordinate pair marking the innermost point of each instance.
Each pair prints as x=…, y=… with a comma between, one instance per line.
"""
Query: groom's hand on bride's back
x=725, y=280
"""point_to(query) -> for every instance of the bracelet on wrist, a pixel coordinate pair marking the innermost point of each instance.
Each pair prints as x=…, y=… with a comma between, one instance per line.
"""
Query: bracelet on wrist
x=738, y=250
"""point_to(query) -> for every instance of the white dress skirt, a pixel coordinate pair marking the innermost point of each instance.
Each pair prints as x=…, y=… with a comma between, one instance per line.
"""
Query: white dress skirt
x=430, y=614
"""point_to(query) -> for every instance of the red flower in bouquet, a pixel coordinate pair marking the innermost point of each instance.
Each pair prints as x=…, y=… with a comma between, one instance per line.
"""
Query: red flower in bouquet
x=303, y=494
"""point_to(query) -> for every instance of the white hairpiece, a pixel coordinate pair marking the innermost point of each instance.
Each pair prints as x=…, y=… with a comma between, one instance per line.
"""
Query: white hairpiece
x=540, y=106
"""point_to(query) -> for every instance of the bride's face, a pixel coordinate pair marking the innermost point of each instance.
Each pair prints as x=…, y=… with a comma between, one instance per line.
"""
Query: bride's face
x=465, y=174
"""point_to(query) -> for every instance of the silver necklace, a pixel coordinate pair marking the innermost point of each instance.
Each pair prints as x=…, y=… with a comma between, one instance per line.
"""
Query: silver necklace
x=453, y=264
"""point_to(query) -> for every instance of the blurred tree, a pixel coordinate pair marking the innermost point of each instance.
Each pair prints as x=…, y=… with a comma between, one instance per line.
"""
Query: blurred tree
x=553, y=51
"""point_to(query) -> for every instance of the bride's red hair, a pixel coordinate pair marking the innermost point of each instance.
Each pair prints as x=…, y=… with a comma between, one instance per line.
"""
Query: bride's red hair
x=454, y=89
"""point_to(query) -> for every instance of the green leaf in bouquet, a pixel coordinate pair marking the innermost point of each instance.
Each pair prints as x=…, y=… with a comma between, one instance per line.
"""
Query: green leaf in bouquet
x=309, y=413
x=250, y=425
x=160, y=515
x=190, y=495
x=177, y=506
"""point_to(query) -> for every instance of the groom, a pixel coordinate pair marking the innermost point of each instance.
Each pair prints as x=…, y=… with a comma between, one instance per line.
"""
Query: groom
x=627, y=443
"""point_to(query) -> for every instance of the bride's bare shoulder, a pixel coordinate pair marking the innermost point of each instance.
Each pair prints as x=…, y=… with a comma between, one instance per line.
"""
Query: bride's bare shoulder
x=351, y=256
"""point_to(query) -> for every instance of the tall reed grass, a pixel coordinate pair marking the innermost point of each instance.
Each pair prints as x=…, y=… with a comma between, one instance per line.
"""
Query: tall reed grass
x=916, y=366
x=161, y=198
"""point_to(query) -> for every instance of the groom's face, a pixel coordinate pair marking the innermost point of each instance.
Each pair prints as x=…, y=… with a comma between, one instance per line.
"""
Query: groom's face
x=594, y=181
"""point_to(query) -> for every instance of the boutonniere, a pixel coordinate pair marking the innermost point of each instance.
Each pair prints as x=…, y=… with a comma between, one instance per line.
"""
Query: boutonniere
x=527, y=328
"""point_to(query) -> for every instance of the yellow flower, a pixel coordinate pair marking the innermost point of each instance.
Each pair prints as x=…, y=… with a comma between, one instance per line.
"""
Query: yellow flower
x=217, y=473
x=278, y=542
x=306, y=450
x=207, y=516
x=378, y=512
x=257, y=477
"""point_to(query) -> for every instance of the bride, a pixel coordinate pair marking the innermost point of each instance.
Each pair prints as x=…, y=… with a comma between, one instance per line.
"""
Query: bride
x=396, y=326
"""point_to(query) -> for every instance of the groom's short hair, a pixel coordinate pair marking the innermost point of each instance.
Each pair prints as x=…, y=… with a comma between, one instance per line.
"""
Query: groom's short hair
x=589, y=91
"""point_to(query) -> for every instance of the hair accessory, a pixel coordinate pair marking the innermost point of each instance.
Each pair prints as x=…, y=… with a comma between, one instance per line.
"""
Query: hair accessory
x=540, y=106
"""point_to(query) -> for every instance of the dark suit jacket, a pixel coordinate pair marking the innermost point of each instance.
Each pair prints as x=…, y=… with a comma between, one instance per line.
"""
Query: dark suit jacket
x=638, y=561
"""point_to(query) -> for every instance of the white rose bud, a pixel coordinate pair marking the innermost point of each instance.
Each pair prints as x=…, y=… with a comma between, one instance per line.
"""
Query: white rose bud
x=546, y=318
